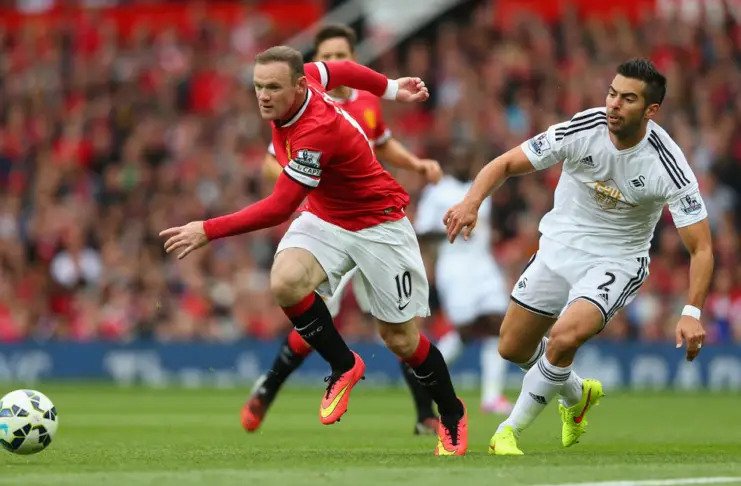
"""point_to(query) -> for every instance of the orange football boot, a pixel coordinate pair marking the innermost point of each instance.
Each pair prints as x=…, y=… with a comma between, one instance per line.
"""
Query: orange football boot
x=335, y=400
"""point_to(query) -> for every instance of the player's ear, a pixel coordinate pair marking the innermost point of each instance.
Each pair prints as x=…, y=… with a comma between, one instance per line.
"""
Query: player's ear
x=301, y=83
x=651, y=110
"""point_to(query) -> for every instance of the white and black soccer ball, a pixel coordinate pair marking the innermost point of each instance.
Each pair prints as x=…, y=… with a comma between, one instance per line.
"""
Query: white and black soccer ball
x=28, y=421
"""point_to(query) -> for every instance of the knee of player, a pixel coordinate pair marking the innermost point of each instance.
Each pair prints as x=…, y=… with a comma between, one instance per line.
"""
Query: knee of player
x=288, y=285
x=564, y=339
x=510, y=350
x=401, y=344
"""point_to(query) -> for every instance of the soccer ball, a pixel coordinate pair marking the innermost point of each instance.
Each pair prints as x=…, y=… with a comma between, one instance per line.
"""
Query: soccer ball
x=28, y=421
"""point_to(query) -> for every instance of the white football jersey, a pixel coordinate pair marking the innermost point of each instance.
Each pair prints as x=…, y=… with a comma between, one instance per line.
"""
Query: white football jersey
x=608, y=201
x=435, y=200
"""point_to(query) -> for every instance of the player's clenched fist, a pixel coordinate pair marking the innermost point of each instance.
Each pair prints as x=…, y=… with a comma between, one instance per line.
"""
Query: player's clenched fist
x=412, y=90
x=690, y=330
x=461, y=217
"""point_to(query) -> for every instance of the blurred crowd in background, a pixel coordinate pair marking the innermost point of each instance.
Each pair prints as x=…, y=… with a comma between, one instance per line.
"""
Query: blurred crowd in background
x=107, y=139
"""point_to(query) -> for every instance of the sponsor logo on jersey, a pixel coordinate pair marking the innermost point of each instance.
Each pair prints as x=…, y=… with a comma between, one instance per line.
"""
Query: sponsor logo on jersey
x=639, y=182
x=587, y=162
x=690, y=204
x=607, y=195
x=522, y=283
x=540, y=144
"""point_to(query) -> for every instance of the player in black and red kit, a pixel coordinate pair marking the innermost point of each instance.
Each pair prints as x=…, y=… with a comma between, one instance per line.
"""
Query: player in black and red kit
x=354, y=216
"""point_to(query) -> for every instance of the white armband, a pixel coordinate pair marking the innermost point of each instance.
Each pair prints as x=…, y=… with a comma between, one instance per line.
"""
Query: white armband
x=692, y=311
x=391, y=89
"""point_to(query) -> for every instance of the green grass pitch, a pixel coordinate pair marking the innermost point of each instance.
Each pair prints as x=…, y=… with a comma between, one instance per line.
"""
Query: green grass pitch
x=111, y=436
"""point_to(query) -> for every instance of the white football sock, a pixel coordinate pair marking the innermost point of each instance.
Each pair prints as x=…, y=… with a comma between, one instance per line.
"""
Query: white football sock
x=571, y=391
x=535, y=357
x=493, y=370
x=541, y=383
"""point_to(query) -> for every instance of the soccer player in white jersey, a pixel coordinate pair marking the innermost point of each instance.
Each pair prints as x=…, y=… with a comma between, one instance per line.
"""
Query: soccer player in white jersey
x=619, y=170
x=473, y=292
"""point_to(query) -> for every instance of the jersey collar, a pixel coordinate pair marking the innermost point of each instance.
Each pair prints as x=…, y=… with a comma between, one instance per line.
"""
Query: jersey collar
x=298, y=114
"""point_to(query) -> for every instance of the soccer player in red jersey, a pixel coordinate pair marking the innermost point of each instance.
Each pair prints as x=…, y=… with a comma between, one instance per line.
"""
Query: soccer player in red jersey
x=354, y=216
x=337, y=43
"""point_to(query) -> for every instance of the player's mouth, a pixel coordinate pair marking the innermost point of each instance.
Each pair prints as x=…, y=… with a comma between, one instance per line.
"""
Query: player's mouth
x=614, y=119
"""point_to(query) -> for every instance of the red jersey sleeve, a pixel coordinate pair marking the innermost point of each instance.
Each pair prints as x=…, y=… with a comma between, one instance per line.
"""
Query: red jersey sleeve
x=271, y=211
x=346, y=73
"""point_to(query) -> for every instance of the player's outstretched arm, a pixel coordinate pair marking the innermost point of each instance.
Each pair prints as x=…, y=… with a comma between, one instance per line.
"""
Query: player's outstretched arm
x=393, y=152
x=696, y=238
x=273, y=210
x=347, y=73
x=463, y=216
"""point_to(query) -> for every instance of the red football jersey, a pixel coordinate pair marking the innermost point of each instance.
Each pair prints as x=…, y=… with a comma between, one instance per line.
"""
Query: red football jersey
x=326, y=149
x=366, y=109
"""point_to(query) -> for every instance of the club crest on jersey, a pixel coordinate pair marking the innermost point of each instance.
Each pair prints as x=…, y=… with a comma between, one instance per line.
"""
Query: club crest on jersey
x=370, y=118
x=540, y=144
x=607, y=195
x=690, y=204
x=638, y=183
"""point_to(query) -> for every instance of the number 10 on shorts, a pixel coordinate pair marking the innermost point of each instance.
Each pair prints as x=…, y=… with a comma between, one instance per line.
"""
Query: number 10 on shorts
x=404, y=288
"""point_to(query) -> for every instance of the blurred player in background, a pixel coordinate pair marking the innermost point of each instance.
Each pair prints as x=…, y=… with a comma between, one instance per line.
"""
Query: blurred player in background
x=337, y=43
x=472, y=289
x=354, y=216
x=619, y=170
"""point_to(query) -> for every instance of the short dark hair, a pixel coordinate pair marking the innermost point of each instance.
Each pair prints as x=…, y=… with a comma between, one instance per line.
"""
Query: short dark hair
x=336, y=30
x=643, y=69
x=288, y=55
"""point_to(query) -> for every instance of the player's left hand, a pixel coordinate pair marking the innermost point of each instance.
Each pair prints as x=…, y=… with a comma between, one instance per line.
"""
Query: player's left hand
x=461, y=218
x=188, y=238
x=691, y=331
x=412, y=90
x=431, y=170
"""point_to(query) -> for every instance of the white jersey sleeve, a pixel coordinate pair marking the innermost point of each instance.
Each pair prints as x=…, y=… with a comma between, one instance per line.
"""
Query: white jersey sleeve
x=688, y=209
x=554, y=145
x=271, y=149
x=680, y=187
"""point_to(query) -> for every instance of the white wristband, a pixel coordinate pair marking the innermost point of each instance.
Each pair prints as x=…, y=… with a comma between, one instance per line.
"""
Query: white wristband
x=692, y=311
x=391, y=89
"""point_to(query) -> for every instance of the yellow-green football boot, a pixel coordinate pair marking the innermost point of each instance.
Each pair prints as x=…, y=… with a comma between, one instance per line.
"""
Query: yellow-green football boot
x=574, y=417
x=504, y=443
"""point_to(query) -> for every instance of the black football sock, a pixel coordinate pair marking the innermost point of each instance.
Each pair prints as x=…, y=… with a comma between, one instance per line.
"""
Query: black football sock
x=291, y=355
x=313, y=322
x=422, y=398
x=430, y=369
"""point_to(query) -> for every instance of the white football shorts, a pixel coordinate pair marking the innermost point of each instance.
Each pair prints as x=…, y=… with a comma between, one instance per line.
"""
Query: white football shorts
x=557, y=275
x=387, y=257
